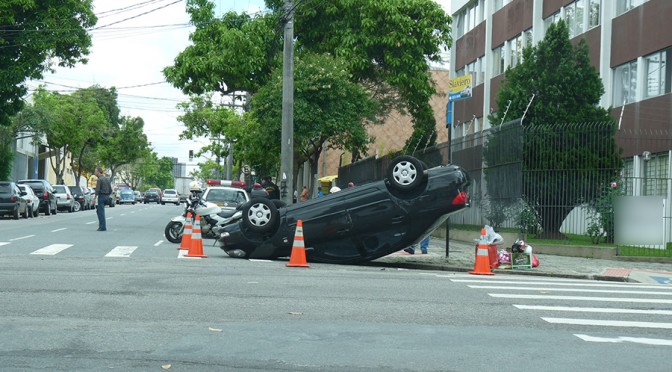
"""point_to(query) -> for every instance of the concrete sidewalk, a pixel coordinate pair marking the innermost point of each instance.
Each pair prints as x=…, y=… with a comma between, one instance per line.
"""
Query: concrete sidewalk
x=461, y=259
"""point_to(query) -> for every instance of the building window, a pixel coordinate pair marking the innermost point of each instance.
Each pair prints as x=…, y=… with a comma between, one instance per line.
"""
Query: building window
x=516, y=54
x=476, y=69
x=625, y=83
x=469, y=18
x=499, y=4
x=550, y=20
x=623, y=6
x=498, y=60
x=657, y=72
x=594, y=13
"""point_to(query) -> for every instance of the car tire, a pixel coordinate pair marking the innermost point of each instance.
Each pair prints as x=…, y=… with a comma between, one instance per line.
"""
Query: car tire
x=405, y=173
x=77, y=207
x=173, y=232
x=47, y=210
x=260, y=215
x=36, y=212
x=55, y=210
x=15, y=215
x=25, y=213
x=163, y=203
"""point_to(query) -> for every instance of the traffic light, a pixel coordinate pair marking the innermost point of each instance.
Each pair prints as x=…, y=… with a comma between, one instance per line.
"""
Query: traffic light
x=191, y=154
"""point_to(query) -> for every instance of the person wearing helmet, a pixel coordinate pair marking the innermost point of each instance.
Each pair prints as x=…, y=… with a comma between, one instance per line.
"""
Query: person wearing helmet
x=334, y=189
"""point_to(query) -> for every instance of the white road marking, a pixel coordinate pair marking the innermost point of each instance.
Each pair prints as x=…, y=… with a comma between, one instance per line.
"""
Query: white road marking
x=121, y=251
x=3, y=243
x=505, y=277
x=594, y=310
x=579, y=298
x=123, y=214
x=568, y=290
x=22, y=237
x=594, y=284
x=61, y=229
x=52, y=249
x=158, y=243
x=181, y=254
x=608, y=323
x=92, y=222
x=636, y=340
x=258, y=260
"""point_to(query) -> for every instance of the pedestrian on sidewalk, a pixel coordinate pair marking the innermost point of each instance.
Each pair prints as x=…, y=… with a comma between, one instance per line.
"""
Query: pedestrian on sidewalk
x=424, y=246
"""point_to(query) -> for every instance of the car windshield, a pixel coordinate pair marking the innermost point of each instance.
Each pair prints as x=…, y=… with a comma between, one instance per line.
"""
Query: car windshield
x=59, y=189
x=226, y=195
x=169, y=192
x=127, y=192
x=5, y=188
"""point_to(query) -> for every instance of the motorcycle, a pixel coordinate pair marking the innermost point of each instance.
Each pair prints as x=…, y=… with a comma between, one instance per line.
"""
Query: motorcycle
x=212, y=218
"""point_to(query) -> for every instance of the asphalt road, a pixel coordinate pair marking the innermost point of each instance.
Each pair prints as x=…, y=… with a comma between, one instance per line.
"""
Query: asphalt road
x=68, y=304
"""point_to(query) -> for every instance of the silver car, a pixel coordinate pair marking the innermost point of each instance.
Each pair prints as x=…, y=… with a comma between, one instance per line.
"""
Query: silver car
x=32, y=201
x=64, y=198
x=170, y=196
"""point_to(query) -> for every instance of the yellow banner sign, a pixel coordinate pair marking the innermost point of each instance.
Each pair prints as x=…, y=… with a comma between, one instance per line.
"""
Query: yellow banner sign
x=460, y=87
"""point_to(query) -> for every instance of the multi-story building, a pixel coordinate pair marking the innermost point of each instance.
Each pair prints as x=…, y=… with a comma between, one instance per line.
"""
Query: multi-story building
x=630, y=44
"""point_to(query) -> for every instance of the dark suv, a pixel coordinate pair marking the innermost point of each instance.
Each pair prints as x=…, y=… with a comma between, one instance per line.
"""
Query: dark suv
x=11, y=201
x=44, y=192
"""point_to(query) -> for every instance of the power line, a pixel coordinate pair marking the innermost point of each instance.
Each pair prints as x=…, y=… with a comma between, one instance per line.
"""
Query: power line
x=136, y=16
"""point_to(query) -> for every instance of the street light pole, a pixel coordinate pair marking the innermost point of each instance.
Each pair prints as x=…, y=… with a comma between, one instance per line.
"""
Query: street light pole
x=287, y=144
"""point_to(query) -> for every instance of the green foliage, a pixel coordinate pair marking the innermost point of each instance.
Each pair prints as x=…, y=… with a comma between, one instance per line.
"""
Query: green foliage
x=33, y=35
x=385, y=45
x=123, y=143
x=6, y=153
x=602, y=221
x=155, y=171
x=567, y=147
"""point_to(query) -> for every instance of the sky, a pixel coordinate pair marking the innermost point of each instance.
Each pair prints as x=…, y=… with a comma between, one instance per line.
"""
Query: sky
x=144, y=37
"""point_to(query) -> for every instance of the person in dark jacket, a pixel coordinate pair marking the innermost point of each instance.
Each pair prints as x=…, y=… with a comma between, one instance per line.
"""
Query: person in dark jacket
x=103, y=191
x=271, y=188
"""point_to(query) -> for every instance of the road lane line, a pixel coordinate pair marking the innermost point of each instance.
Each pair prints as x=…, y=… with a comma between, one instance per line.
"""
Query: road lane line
x=514, y=288
x=52, y=249
x=594, y=310
x=3, y=243
x=91, y=223
x=22, y=237
x=637, y=340
x=596, y=284
x=608, y=323
x=122, y=251
x=61, y=229
x=158, y=243
x=579, y=298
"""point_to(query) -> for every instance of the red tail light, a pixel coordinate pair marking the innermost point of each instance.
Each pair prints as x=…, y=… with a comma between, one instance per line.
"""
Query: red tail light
x=461, y=198
x=45, y=195
x=14, y=199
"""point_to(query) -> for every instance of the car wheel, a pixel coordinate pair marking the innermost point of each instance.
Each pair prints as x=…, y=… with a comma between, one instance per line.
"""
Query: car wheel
x=36, y=212
x=55, y=210
x=25, y=213
x=405, y=173
x=260, y=215
x=174, y=231
x=15, y=215
x=77, y=207
x=163, y=203
x=47, y=210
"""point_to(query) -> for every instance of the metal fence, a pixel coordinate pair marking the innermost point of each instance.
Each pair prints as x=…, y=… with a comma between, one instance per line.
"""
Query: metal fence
x=554, y=182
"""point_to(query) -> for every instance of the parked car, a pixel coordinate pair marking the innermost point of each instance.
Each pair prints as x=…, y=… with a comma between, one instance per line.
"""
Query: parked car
x=11, y=201
x=32, y=200
x=64, y=199
x=90, y=195
x=138, y=196
x=80, y=197
x=126, y=196
x=45, y=192
x=170, y=196
x=152, y=196
x=225, y=196
x=356, y=224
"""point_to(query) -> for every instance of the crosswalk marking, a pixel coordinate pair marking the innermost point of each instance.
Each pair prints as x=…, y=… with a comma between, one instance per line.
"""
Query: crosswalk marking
x=181, y=254
x=22, y=237
x=158, y=243
x=121, y=251
x=637, y=340
x=594, y=310
x=569, y=290
x=580, y=298
x=61, y=229
x=608, y=323
x=593, y=284
x=52, y=249
x=3, y=243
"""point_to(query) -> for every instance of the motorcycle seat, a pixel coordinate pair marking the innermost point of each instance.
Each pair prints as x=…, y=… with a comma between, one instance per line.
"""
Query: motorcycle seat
x=227, y=213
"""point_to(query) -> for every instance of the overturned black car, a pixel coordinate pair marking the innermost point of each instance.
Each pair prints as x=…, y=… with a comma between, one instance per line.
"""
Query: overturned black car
x=357, y=224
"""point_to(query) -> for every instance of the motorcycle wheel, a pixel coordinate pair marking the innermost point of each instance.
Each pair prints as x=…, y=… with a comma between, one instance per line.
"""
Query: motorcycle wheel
x=174, y=231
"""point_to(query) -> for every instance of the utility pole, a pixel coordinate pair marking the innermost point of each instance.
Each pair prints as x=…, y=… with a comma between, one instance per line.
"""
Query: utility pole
x=287, y=145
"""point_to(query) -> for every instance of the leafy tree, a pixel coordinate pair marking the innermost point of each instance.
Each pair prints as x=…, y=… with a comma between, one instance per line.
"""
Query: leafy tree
x=33, y=36
x=156, y=172
x=207, y=169
x=386, y=46
x=6, y=152
x=123, y=144
x=329, y=111
x=568, y=148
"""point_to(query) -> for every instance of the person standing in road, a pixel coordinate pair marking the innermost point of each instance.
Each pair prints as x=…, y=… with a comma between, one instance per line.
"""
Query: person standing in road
x=103, y=191
x=271, y=188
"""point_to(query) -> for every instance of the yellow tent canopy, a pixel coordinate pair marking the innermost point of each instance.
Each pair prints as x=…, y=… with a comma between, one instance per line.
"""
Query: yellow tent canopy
x=327, y=178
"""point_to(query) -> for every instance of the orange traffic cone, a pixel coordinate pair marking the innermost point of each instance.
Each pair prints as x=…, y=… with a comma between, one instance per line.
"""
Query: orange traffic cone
x=298, y=257
x=196, y=248
x=482, y=264
x=186, y=235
